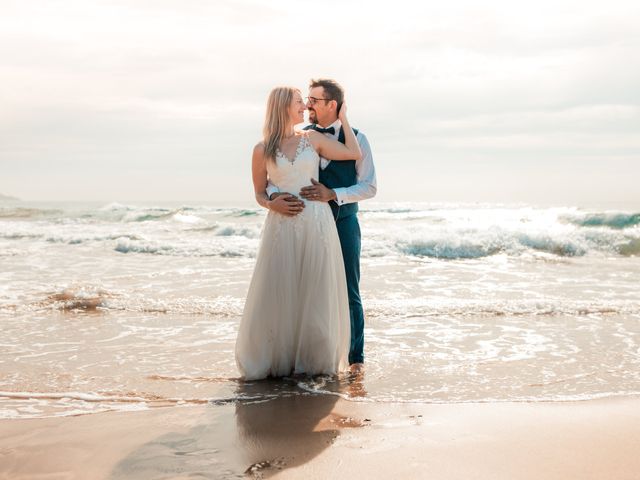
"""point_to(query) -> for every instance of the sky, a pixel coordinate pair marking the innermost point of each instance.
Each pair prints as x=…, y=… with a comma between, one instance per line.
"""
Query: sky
x=494, y=101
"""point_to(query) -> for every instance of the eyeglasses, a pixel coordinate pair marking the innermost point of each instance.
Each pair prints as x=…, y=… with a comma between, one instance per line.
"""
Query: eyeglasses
x=313, y=100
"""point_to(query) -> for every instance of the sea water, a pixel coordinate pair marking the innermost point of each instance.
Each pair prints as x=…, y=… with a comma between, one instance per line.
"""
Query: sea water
x=121, y=306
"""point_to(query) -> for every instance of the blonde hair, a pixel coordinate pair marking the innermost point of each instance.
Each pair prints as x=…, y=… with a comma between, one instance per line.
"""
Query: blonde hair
x=277, y=119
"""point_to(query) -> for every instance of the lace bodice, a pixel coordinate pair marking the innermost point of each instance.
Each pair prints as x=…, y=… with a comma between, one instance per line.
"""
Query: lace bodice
x=290, y=175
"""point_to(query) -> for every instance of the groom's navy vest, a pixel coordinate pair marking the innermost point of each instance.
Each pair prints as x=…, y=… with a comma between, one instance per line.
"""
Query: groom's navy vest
x=340, y=174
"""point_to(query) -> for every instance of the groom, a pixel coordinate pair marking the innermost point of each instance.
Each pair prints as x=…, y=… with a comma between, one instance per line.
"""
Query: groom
x=343, y=184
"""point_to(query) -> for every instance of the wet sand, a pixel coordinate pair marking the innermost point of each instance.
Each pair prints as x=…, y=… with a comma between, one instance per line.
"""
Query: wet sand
x=324, y=436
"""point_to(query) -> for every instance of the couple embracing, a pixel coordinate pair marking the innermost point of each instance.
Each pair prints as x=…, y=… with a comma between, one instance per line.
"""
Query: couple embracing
x=303, y=313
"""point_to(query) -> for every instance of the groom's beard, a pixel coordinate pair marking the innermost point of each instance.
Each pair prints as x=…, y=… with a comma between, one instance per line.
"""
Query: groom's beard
x=312, y=117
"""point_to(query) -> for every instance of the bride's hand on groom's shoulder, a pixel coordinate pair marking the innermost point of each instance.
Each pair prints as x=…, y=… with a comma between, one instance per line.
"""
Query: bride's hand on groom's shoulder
x=342, y=113
x=286, y=204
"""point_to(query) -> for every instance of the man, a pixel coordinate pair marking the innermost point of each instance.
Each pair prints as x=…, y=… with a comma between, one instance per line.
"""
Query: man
x=343, y=184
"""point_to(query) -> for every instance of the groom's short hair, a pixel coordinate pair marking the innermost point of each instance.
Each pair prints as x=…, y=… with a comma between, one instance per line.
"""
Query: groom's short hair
x=332, y=89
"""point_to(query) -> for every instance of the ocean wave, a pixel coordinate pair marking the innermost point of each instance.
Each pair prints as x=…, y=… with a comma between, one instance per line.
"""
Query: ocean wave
x=611, y=219
x=149, y=215
x=478, y=243
x=454, y=234
x=210, y=249
x=92, y=298
x=115, y=206
x=131, y=214
x=161, y=214
x=425, y=307
x=95, y=298
x=393, y=210
x=21, y=235
x=76, y=240
x=231, y=231
x=561, y=246
x=242, y=241
x=186, y=217
x=397, y=215
x=208, y=228
x=243, y=212
x=126, y=246
x=23, y=212
x=629, y=249
x=437, y=249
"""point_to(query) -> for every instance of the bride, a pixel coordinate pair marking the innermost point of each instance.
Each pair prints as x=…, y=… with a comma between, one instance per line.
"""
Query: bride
x=296, y=315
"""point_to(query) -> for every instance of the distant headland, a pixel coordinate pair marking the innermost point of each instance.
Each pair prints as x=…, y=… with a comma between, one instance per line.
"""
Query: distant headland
x=7, y=197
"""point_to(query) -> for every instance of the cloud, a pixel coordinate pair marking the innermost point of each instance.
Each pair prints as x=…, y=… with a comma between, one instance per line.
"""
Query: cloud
x=167, y=86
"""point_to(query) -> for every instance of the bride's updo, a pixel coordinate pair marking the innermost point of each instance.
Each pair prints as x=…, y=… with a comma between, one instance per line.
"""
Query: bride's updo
x=277, y=119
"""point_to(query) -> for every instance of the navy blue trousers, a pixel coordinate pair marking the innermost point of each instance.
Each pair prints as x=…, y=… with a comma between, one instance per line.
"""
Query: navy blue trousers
x=349, y=233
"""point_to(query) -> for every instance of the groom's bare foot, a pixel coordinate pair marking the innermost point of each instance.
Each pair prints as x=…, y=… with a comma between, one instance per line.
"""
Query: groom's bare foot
x=356, y=367
x=355, y=384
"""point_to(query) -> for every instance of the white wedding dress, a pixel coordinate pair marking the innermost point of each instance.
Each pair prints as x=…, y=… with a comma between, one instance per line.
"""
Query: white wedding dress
x=296, y=315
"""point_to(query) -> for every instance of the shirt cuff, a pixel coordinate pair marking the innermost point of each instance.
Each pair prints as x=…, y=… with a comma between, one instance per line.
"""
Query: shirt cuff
x=341, y=195
x=271, y=189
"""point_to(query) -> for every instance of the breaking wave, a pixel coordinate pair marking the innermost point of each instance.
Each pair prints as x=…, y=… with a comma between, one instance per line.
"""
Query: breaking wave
x=611, y=220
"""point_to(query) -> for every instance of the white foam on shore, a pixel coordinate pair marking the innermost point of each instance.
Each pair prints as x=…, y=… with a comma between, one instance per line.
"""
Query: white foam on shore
x=87, y=397
x=229, y=306
x=64, y=404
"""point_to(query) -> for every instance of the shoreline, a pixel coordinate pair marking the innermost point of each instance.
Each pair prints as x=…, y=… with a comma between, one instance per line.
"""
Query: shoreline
x=324, y=436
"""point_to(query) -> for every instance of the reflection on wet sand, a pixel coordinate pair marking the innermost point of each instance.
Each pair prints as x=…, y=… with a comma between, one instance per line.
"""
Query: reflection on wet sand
x=279, y=424
x=284, y=432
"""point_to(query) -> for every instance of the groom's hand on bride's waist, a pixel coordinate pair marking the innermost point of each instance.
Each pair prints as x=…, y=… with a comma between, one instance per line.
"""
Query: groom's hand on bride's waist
x=317, y=192
x=286, y=204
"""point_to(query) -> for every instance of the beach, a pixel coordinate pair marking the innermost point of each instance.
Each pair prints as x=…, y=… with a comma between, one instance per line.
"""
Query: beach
x=318, y=437
x=501, y=342
x=489, y=226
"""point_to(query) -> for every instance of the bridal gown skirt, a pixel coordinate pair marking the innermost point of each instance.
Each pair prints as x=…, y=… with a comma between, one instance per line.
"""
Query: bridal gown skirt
x=296, y=315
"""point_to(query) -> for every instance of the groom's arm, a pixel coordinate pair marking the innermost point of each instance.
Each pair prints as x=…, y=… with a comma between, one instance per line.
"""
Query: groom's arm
x=271, y=189
x=290, y=200
x=366, y=186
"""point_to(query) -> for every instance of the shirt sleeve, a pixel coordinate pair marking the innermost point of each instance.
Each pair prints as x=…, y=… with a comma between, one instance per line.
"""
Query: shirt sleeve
x=271, y=188
x=366, y=186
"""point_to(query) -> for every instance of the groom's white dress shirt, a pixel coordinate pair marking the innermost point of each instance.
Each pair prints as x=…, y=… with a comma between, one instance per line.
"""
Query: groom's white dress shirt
x=366, y=185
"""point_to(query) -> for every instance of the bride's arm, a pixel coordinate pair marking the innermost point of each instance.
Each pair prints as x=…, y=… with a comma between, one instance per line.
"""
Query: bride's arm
x=259, y=174
x=334, y=150
x=285, y=204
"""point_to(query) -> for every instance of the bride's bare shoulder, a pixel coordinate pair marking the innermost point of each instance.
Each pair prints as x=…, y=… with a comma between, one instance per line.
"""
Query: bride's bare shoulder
x=259, y=151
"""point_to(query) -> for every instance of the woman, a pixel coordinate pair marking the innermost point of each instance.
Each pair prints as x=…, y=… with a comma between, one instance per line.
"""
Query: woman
x=296, y=316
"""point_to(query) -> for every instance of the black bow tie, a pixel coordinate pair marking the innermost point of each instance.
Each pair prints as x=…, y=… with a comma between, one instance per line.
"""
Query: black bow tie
x=330, y=130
